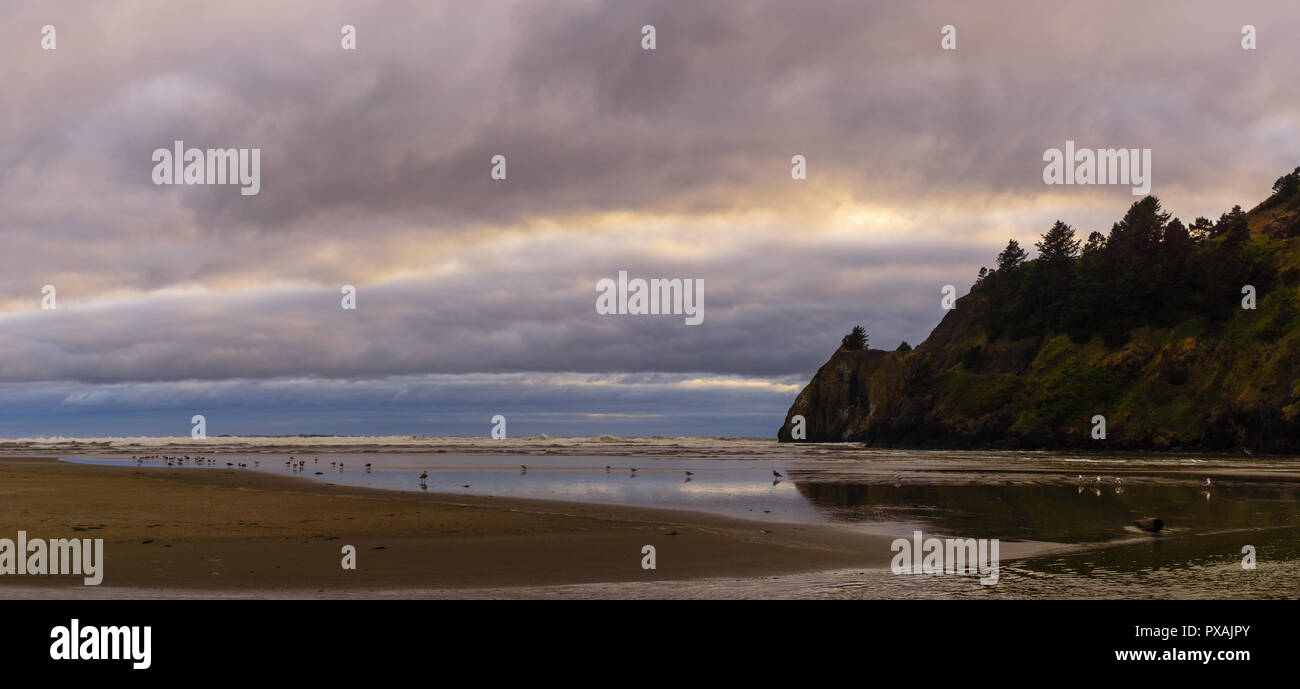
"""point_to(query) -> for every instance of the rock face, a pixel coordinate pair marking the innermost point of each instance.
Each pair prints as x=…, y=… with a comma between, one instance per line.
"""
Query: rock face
x=1185, y=380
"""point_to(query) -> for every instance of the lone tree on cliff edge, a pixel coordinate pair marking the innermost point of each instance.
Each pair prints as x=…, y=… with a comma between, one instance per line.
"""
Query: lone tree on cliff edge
x=856, y=339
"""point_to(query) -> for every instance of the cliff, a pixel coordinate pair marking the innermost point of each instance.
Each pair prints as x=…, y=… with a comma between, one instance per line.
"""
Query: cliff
x=1146, y=327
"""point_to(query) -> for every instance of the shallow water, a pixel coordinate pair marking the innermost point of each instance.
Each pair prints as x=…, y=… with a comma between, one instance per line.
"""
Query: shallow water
x=1010, y=496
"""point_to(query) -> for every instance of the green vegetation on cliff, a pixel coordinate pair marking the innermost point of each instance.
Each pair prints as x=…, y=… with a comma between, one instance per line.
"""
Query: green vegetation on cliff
x=1147, y=326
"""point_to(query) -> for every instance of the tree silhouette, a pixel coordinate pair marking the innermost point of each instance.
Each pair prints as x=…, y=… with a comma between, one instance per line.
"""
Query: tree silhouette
x=1058, y=245
x=1011, y=257
x=856, y=339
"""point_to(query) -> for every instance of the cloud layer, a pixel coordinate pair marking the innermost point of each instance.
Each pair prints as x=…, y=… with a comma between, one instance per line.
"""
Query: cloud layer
x=666, y=163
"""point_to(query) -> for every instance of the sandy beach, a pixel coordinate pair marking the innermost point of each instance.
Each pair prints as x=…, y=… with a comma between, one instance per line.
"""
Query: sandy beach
x=237, y=530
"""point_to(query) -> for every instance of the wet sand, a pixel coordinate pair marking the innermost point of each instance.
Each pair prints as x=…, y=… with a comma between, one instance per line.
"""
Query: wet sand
x=232, y=530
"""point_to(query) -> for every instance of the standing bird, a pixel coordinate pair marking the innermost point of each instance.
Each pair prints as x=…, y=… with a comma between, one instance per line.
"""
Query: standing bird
x=1206, y=482
x=690, y=473
x=523, y=469
x=777, y=474
x=423, y=475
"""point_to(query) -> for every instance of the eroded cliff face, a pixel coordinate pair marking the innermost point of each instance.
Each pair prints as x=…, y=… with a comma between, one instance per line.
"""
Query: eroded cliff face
x=838, y=401
x=881, y=397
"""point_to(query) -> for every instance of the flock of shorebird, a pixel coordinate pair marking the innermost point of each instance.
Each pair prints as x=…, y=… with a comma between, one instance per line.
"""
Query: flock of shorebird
x=1098, y=482
x=299, y=466
x=177, y=460
x=632, y=473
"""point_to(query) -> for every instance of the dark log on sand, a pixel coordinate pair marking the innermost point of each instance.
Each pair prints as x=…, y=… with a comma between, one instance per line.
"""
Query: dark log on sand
x=1152, y=524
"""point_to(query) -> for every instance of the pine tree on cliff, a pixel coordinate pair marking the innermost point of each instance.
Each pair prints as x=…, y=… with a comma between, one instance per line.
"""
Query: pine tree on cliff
x=1058, y=245
x=1011, y=257
x=855, y=340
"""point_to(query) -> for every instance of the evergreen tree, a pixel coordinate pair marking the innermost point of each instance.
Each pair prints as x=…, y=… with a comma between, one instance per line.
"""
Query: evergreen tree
x=1232, y=225
x=856, y=339
x=1096, y=242
x=1011, y=257
x=1058, y=245
x=1138, y=235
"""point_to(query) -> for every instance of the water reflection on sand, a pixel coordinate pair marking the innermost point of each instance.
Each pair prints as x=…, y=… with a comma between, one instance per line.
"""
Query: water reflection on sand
x=1085, y=502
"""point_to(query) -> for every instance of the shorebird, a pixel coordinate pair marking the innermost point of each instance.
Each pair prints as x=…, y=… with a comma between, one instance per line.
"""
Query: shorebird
x=690, y=473
x=523, y=469
x=1206, y=482
x=777, y=474
x=607, y=468
x=424, y=475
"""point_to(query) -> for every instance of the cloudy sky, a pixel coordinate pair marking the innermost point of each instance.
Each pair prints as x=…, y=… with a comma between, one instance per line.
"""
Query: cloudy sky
x=477, y=296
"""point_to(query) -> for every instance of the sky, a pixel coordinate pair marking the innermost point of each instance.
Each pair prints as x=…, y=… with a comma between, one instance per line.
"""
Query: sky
x=476, y=296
